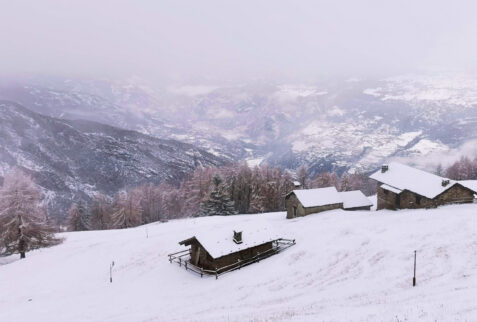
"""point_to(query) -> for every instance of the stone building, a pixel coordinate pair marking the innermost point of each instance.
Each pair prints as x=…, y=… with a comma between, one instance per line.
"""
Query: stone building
x=301, y=203
x=402, y=187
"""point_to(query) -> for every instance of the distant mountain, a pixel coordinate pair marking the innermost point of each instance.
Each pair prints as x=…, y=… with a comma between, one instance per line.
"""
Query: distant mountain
x=72, y=160
x=336, y=125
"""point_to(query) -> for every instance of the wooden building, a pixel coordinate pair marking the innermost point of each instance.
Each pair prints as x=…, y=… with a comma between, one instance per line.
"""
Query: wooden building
x=220, y=251
x=404, y=187
x=301, y=203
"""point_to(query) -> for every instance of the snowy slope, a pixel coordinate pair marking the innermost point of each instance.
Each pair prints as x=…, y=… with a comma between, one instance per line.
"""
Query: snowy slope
x=346, y=266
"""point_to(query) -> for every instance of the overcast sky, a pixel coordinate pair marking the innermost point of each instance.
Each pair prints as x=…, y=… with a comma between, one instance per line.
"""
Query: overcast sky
x=240, y=40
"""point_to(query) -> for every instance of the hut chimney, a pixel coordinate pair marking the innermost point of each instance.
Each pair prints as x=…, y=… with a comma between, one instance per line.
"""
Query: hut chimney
x=237, y=237
x=384, y=168
x=445, y=182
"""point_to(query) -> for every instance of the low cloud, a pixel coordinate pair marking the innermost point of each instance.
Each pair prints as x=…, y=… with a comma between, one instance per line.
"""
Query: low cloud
x=430, y=161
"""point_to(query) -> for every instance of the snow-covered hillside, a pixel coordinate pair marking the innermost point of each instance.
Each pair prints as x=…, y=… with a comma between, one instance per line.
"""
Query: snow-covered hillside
x=346, y=266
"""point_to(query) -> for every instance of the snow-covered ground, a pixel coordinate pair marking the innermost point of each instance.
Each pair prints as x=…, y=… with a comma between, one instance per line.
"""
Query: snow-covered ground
x=346, y=266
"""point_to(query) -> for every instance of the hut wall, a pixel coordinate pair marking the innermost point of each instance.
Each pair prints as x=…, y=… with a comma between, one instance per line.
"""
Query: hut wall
x=411, y=200
x=387, y=199
x=456, y=194
x=206, y=261
x=292, y=201
x=358, y=208
x=242, y=255
x=314, y=210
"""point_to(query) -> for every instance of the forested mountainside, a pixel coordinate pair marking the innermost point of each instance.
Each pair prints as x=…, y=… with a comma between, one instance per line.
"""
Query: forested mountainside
x=333, y=125
x=72, y=160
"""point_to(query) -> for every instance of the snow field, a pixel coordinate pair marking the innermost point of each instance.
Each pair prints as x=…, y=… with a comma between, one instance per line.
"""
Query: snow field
x=346, y=266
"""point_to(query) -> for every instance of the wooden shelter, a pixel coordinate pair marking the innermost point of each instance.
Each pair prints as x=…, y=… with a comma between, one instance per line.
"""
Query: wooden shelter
x=404, y=187
x=221, y=251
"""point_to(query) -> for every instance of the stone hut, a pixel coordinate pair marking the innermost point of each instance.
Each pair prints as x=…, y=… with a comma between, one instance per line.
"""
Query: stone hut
x=404, y=187
x=218, y=249
x=301, y=203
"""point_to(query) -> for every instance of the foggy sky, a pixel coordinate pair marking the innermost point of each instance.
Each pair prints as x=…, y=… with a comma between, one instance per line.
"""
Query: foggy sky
x=236, y=40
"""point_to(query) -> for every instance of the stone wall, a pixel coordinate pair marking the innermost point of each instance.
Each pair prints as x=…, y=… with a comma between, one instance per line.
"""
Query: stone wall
x=410, y=200
x=387, y=199
x=292, y=201
x=314, y=210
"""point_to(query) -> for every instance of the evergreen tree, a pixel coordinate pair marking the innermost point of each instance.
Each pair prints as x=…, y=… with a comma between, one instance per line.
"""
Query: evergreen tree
x=218, y=203
x=77, y=217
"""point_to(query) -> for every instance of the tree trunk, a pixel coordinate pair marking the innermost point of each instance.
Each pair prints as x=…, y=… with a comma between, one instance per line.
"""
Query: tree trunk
x=22, y=248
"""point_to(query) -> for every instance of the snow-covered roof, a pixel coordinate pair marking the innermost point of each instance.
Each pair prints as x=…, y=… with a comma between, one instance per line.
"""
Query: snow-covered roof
x=403, y=177
x=318, y=197
x=220, y=242
x=392, y=189
x=354, y=199
x=470, y=184
x=296, y=183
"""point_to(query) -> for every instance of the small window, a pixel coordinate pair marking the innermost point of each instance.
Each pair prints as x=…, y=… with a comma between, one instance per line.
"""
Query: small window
x=418, y=199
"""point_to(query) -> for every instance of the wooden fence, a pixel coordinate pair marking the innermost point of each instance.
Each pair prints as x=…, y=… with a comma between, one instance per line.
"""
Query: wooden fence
x=183, y=259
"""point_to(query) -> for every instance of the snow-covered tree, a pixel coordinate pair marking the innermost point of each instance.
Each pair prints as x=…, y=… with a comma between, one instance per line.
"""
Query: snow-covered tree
x=100, y=212
x=23, y=224
x=302, y=176
x=218, y=203
x=345, y=182
x=463, y=169
x=326, y=179
x=77, y=217
x=195, y=189
x=127, y=211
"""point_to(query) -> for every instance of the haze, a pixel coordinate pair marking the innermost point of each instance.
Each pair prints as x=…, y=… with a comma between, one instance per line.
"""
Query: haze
x=241, y=40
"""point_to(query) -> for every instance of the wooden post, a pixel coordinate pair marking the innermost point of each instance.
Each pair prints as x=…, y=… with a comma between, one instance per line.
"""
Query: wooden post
x=216, y=274
x=180, y=262
x=201, y=272
x=258, y=257
x=111, y=272
x=414, y=278
x=185, y=265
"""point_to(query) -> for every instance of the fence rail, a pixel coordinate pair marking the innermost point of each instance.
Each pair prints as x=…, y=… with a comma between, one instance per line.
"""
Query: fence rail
x=279, y=245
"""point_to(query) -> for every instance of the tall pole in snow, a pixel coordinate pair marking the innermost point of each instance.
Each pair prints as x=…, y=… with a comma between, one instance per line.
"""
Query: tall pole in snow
x=414, y=278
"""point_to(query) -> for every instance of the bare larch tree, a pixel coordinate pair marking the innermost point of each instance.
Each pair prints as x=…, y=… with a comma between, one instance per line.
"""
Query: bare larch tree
x=23, y=224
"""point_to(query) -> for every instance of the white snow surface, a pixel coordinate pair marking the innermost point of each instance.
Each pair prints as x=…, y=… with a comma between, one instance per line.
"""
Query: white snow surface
x=354, y=199
x=220, y=242
x=392, y=189
x=470, y=184
x=318, y=197
x=404, y=177
x=346, y=266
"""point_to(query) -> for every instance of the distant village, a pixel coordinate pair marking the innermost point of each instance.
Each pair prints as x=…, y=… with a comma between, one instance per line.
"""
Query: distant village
x=398, y=187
